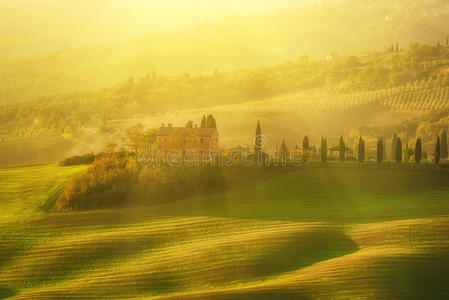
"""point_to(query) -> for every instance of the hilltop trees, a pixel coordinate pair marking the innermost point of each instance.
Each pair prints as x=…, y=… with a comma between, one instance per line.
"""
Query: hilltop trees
x=407, y=82
x=203, y=122
x=323, y=149
x=437, y=151
x=342, y=148
x=398, y=153
x=444, y=152
x=208, y=122
x=418, y=151
x=361, y=150
x=380, y=151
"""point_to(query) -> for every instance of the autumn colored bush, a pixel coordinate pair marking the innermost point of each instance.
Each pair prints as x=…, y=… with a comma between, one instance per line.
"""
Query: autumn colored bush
x=104, y=183
x=116, y=178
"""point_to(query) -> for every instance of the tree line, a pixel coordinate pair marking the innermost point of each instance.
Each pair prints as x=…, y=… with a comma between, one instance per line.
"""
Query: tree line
x=398, y=153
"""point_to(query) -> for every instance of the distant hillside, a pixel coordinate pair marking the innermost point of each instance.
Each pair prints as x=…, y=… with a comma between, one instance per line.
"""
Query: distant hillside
x=315, y=98
x=231, y=43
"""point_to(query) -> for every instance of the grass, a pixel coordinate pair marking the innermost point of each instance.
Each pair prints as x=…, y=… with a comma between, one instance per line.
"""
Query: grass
x=314, y=232
x=25, y=190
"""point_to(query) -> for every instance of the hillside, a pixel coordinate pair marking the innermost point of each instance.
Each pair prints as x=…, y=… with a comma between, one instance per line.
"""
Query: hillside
x=88, y=60
x=382, y=90
x=372, y=233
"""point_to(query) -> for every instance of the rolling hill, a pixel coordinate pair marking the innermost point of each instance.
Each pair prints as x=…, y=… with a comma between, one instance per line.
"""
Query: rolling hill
x=372, y=233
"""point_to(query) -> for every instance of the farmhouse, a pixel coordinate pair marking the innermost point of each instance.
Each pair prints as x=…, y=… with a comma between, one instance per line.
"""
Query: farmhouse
x=187, y=139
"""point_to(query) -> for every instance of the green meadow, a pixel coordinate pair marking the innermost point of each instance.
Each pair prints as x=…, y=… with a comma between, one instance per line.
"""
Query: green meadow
x=315, y=232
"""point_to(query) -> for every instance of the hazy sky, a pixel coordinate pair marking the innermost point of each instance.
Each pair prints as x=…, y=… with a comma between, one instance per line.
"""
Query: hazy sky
x=31, y=27
x=160, y=14
x=189, y=12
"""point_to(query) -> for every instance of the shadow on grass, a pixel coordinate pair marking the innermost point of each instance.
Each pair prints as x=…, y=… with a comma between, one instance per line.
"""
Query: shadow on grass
x=6, y=292
x=260, y=295
x=303, y=250
x=419, y=277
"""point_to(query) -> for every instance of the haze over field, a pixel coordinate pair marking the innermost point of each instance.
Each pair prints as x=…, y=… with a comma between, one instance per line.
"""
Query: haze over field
x=62, y=46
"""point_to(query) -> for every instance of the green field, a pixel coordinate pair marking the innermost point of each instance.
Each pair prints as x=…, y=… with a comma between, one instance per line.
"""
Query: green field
x=311, y=233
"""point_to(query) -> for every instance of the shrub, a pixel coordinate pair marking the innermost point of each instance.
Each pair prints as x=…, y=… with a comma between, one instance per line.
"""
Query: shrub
x=85, y=159
x=115, y=177
x=104, y=183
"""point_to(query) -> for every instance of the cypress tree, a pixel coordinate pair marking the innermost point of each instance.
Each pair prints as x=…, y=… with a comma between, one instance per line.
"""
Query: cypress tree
x=397, y=46
x=210, y=122
x=394, y=142
x=443, y=151
x=437, y=151
x=398, y=154
x=361, y=150
x=305, y=144
x=418, y=151
x=284, y=151
x=323, y=149
x=380, y=151
x=203, y=122
x=258, y=140
x=342, y=147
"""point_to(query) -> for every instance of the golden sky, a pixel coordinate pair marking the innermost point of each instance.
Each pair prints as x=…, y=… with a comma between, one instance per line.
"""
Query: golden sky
x=52, y=25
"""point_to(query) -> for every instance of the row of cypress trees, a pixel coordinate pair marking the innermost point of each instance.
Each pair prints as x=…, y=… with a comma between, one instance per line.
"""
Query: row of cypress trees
x=397, y=150
x=441, y=149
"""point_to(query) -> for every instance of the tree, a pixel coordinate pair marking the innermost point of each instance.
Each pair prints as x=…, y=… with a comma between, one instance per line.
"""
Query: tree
x=397, y=46
x=418, y=151
x=210, y=122
x=154, y=76
x=136, y=138
x=305, y=144
x=258, y=141
x=284, y=151
x=323, y=149
x=361, y=150
x=203, y=122
x=380, y=151
x=437, y=151
x=443, y=151
x=408, y=152
x=394, y=141
x=342, y=147
x=398, y=154
x=189, y=124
